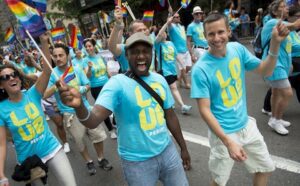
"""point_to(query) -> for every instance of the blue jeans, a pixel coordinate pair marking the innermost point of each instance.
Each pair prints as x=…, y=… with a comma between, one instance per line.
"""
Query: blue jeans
x=166, y=167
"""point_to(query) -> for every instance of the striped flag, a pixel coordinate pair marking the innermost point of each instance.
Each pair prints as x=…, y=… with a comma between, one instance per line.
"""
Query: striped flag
x=118, y=3
x=40, y=5
x=58, y=33
x=69, y=74
x=148, y=15
x=79, y=36
x=185, y=3
x=29, y=17
x=9, y=35
x=124, y=11
x=75, y=43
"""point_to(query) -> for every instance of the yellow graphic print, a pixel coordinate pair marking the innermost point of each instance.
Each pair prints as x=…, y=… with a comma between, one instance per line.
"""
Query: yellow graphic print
x=231, y=86
x=169, y=53
x=199, y=30
x=154, y=112
x=99, y=68
x=75, y=83
x=182, y=32
x=288, y=47
x=27, y=130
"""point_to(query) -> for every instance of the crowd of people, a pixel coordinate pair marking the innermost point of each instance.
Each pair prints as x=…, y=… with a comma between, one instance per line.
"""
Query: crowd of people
x=136, y=83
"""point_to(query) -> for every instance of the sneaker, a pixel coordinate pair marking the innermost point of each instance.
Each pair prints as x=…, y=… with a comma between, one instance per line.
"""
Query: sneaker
x=113, y=134
x=277, y=126
x=266, y=112
x=185, y=109
x=91, y=168
x=105, y=165
x=66, y=147
x=285, y=123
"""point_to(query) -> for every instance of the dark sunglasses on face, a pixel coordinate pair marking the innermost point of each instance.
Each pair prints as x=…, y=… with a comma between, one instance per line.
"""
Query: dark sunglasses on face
x=8, y=76
x=198, y=13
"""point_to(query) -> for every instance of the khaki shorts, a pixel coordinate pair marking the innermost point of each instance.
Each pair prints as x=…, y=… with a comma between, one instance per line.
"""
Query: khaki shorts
x=186, y=59
x=79, y=131
x=258, y=157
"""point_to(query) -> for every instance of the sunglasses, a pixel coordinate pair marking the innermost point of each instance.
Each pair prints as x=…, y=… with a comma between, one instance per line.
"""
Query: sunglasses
x=7, y=77
x=198, y=13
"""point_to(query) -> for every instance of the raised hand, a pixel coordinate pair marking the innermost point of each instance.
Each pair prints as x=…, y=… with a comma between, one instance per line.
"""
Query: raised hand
x=280, y=31
x=70, y=96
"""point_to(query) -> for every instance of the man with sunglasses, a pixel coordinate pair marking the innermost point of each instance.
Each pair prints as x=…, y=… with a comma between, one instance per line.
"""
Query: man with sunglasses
x=195, y=35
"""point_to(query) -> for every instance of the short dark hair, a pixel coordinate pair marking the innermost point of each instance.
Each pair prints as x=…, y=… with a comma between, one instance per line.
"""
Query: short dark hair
x=91, y=40
x=63, y=46
x=213, y=17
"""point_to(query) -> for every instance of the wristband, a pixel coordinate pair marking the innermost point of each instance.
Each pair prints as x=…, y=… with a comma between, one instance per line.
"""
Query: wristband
x=82, y=89
x=3, y=180
x=86, y=118
x=272, y=54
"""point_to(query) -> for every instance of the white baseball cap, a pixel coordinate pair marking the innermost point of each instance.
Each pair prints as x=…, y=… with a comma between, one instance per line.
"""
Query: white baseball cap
x=197, y=9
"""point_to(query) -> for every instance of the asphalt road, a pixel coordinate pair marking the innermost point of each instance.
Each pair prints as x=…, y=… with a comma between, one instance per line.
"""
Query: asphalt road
x=285, y=149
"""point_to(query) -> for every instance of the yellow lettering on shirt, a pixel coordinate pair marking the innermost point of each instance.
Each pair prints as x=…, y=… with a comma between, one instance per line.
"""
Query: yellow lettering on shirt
x=99, y=68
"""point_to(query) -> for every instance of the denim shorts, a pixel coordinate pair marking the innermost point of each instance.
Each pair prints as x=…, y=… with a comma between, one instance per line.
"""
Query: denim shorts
x=166, y=167
x=258, y=157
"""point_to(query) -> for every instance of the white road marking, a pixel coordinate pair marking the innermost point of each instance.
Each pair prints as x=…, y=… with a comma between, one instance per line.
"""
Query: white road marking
x=281, y=163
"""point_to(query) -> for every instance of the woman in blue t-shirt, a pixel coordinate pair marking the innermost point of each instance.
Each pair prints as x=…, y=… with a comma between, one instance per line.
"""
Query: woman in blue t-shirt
x=97, y=74
x=21, y=113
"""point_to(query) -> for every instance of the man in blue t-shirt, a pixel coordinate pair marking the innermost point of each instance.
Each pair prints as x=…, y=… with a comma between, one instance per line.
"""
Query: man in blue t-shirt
x=147, y=152
x=218, y=84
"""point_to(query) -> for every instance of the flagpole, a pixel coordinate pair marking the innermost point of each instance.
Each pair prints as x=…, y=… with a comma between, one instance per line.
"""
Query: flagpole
x=129, y=10
x=178, y=10
x=43, y=55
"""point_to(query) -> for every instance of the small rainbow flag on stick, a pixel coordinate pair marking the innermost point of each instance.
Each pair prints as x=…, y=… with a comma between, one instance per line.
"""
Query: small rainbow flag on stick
x=124, y=11
x=148, y=15
x=68, y=75
x=29, y=17
x=9, y=35
x=185, y=3
x=118, y=3
x=75, y=43
x=58, y=33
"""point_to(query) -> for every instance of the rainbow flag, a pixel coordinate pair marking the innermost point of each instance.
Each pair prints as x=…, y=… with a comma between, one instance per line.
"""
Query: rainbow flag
x=75, y=42
x=68, y=75
x=58, y=33
x=40, y=5
x=118, y=3
x=124, y=11
x=105, y=17
x=185, y=3
x=29, y=17
x=94, y=30
x=79, y=36
x=9, y=35
x=162, y=3
x=148, y=15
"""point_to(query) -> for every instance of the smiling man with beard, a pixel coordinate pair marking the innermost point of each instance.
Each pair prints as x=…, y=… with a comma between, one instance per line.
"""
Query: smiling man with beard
x=147, y=151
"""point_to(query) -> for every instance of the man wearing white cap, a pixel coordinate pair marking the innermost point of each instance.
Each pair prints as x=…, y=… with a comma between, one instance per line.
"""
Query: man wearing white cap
x=195, y=35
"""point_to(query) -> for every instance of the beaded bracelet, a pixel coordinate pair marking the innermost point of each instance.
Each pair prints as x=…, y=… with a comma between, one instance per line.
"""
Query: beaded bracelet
x=86, y=118
x=272, y=54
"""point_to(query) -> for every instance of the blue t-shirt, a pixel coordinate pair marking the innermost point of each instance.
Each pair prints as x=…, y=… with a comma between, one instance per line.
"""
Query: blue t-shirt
x=27, y=124
x=168, y=58
x=222, y=81
x=29, y=70
x=195, y=30
x=284, y=60
x=266, y=18
x=295, y=44
x=79, y=63
x=142, y=130
x=178, y=37
x=99, y=73
x=79, y=80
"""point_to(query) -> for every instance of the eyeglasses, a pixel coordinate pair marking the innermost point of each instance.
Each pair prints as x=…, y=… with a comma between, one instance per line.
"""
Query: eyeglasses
x=198, y=13
x=7, y=77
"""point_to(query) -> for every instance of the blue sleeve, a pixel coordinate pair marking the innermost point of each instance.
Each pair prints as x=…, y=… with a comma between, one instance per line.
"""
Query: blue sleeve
x=169, y=101
x=111, y=94
x=250, y=61
x=200, y=85
x=2, y=123
x=51, y=80
x=189, y=31
x=34, y=93
x=83, y=79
